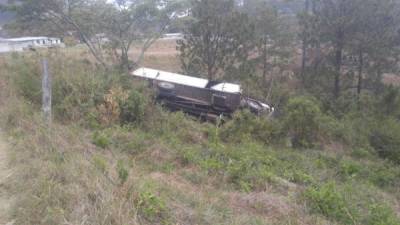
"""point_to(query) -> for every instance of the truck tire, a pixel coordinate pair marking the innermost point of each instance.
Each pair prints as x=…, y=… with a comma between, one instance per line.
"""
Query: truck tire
x=166, y=90
x=165, y=86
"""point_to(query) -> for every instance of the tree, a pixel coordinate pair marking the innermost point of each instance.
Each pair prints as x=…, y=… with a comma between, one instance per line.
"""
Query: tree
x=122, y=23
x=272, y=40
x=129, y=22
x=336, y=19
x=374, y=39
x=216, y=38
x=305, y=20
x=72, y=16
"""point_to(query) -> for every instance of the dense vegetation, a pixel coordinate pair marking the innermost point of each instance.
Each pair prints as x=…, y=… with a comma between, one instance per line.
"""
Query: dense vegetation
x=124, y=160
x=330, y=155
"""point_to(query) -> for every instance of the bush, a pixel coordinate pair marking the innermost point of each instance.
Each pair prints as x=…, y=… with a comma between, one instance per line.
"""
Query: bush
x=101, y=140
x=385, y=139
x=151, y=207
x=132, y=141
x=247, y=166
x=133, y=109
x=349, y=169
x=356, y=129
x=122, y=172
x=100, y=163
x=27, y=79
x=330, y=202
x=77, y=93
x=381, y=214
x=302, y=121
x=246, y=126
x=384, y=175
x=110, y=109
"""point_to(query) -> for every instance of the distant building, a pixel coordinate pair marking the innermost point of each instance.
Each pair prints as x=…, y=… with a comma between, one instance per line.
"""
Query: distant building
x=24, y=43
x=172, y=36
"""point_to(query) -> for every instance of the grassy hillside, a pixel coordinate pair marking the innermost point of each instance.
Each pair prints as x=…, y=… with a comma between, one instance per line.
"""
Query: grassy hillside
x=112, y=156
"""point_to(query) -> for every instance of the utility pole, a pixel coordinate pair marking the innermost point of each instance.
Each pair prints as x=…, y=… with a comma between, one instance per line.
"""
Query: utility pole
x=46, y=90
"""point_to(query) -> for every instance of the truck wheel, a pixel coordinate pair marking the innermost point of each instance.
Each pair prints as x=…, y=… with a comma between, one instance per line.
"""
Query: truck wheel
x=166, y=90
x=165, y=86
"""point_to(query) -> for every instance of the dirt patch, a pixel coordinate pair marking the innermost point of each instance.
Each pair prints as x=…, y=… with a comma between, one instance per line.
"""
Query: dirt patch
x=5, y=173
x=391, y=79
x=175, y=181
x=266, y=204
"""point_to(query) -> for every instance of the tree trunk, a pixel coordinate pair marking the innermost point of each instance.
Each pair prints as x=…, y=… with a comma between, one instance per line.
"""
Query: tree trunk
x=378, y=80
x=304, y=46
x=360, y=72
x=336, y=91
x=124, y=64
x=303, y=61
x=338, y=64
x=95, y=52
x=264, y=57
x=210, y=74
x=318, y=56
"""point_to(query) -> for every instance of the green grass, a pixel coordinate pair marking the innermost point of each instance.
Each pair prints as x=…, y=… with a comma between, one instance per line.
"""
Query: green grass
x=158, y=167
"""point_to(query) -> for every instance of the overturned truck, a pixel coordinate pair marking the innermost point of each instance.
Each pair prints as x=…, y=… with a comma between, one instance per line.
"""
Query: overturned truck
x=200, y=97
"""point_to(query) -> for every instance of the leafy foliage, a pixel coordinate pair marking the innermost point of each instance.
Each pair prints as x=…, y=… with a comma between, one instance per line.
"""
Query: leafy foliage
x=385, y=138
x=133, y=109
x=302, y=121
x=330, y=202
x=216, y=38
x=246, y=126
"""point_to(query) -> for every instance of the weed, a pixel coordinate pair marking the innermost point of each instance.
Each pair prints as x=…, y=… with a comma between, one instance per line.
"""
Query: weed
x=381, y=214
x=349, y=169
x=100, y=163
x=303, y=121
x=384, y=175
x=330, y=202
x=133, y=108
x=101, y=140
x=385, y=139
x=122, y=172
x=151, y=207
x=360, y=153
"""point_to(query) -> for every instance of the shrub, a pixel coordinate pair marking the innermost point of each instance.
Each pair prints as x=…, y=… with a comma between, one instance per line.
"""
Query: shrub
x=101, y=140
x=356, y=129
x=349, y=169
x=384, y=175
x=302, y=121
x=77, y=88
x=360, y=153
x=381, y=214
x=330, y=202
x=389, y=102
x=385, y=139
x=301, y=178
x=110, y=109
x=331, y=128
x=27, y=79
x=151, y=207
x=100, y=163
x=133, y=109
x=122, y=172
x=134, y=143
x=246, y=126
